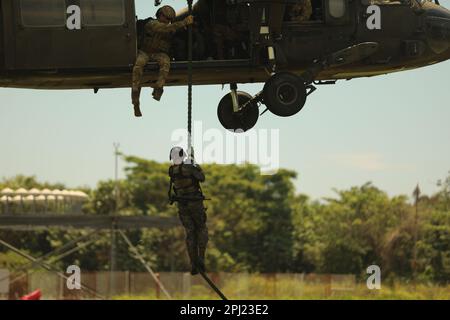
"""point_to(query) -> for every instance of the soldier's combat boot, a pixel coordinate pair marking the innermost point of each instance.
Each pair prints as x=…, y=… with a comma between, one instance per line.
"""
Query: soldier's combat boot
x=136, y=103
x=194, y=270
x=201, y=266
x=157, y=93
x=137, y=111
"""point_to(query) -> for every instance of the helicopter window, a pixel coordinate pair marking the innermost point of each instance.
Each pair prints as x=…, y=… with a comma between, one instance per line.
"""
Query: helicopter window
x=43, y=13
x=103, y=12
x=337, y=8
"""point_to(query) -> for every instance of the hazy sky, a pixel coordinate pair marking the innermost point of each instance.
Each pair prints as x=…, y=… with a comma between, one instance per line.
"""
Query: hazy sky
x=393, y=130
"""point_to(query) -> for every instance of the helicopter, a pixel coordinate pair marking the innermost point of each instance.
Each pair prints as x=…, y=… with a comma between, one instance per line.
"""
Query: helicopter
x=340, y=40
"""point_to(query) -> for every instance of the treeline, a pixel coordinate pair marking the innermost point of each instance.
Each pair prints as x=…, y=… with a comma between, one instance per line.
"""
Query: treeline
x=258, y=223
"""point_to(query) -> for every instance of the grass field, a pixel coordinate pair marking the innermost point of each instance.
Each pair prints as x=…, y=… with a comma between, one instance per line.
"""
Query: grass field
x=315, y=292
x=236, y=286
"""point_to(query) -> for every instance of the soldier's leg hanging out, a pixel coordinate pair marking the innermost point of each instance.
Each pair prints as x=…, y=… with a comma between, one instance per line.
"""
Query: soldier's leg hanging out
x=163, y=61
x=138, y=71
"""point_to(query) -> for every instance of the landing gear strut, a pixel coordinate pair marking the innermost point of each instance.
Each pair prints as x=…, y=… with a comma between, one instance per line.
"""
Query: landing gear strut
x=237, y=112
x=284, y=95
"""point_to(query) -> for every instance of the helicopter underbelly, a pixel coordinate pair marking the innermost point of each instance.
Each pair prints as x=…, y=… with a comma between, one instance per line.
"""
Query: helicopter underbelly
x=217, y=75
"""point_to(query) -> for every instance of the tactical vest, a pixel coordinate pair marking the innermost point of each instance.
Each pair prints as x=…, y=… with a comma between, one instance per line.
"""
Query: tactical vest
x=140, y=30
x=182, y=184
x=156, y=42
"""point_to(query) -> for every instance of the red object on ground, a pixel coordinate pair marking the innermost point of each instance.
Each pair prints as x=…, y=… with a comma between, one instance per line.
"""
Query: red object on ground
x=35, y=295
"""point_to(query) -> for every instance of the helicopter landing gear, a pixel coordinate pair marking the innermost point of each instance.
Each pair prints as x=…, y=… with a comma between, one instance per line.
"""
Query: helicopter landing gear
x=285, y=94
x=237, y=112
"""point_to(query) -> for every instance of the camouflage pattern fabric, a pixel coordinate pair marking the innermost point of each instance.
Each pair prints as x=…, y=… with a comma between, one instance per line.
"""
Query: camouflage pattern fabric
x=159, y=35
x=193, y=217
x=186, y=180
x=143, y=58
x=155, y=48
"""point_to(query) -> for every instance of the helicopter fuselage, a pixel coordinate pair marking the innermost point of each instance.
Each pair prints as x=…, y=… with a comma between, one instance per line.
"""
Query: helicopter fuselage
x=96, y=57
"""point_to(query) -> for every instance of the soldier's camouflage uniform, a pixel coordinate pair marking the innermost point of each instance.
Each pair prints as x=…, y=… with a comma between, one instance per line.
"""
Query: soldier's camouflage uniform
x=155, y=48
x=186, y=180
x=301, y=11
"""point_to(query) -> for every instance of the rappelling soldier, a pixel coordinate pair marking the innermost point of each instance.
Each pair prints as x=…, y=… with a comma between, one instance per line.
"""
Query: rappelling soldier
x=156, y=46
x=185, y=181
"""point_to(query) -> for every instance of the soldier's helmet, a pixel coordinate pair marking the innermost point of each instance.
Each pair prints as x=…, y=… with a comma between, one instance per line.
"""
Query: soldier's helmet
x=177, y=155
x=167, y=11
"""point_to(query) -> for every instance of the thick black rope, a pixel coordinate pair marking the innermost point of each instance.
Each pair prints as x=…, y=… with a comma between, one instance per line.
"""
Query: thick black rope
x=213, y=286
x=190, y=84
x=190, y=153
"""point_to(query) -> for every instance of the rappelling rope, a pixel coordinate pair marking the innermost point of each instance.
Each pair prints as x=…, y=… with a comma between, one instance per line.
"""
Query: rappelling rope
x=212, y=285
x=190, y=45
x=190, y=150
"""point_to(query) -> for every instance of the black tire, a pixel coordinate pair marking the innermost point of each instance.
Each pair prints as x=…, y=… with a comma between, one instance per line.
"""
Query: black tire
x=244, y=119
x=284, y=94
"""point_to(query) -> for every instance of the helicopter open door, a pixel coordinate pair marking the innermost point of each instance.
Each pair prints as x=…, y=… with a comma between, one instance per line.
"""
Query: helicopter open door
x=269, y=22
x=37, y=36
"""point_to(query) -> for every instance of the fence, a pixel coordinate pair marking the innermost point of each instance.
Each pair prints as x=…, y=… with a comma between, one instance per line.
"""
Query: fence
x=183, y=286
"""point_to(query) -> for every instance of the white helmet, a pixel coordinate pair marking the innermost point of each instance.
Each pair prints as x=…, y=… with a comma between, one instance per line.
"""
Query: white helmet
x=177, y=155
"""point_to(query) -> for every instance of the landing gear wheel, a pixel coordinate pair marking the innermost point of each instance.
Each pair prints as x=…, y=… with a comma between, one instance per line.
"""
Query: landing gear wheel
x=244, y=119
x=284, y=94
